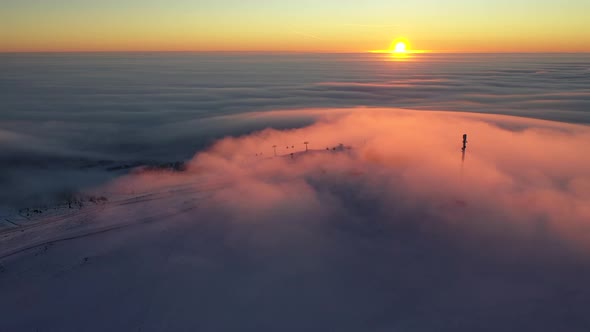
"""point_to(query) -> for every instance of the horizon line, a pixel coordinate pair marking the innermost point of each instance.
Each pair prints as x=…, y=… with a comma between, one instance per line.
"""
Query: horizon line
x=288, y=52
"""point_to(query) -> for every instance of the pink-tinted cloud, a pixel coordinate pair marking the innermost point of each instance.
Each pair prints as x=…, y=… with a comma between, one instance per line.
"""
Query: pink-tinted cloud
x=518, y=174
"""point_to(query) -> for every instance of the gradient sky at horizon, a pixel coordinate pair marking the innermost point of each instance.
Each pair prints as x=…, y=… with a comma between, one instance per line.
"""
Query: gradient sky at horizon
x=303, y=25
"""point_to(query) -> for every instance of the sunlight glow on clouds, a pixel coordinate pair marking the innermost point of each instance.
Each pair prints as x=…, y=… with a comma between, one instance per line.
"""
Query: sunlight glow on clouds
x=521, y=178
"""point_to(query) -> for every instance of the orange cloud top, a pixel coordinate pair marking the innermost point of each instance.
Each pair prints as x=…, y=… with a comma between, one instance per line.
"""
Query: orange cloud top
x=517, y=175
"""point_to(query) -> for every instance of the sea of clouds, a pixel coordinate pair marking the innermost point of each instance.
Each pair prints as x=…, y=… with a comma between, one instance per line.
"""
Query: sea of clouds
x=64, y=115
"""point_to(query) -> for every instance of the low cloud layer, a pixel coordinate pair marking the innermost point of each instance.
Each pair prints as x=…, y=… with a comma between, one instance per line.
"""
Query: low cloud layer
x=163, y=105
x=67, y=111
x=389, y=231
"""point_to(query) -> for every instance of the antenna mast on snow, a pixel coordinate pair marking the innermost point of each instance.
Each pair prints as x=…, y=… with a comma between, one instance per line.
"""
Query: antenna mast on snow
x=463, y=150
x=464, y=142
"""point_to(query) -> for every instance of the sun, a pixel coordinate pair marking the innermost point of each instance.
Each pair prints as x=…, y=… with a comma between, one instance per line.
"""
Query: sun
x=400, y=47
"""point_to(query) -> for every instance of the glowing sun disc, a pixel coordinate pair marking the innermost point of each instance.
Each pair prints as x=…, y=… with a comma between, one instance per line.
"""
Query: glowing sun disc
x=400, y=47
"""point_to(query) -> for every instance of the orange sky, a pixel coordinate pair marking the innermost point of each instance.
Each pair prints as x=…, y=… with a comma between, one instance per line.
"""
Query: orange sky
x=302, y=26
